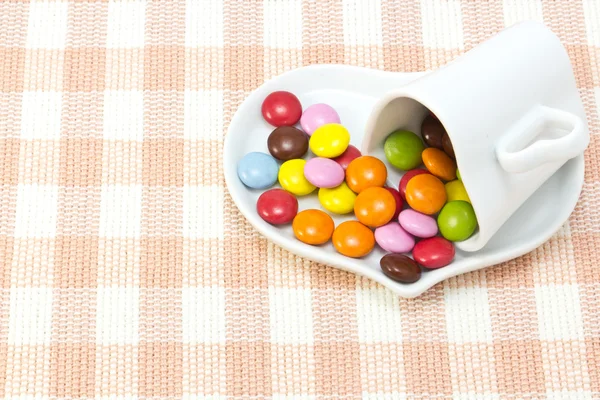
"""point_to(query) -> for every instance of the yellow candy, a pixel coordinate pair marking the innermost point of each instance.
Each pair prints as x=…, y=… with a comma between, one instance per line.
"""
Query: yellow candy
x=329, y=140
x=455, y=190
x=291, y=178
x=338, y=200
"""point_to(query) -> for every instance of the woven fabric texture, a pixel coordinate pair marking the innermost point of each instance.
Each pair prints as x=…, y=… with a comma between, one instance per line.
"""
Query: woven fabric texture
x=127, y=272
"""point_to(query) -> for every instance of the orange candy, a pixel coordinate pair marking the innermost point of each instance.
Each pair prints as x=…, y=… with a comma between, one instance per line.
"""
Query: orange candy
x=353, y=239
x=439, y=164
x=425, y=193
x=374, y=207
x=365, y=172
x=313, y=226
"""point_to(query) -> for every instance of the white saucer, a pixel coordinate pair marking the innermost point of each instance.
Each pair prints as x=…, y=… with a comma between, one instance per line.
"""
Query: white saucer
x=353, y=91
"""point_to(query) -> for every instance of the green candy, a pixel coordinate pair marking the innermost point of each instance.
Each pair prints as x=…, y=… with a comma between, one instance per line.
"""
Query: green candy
x=458, y=175
x=403, y=150
x=457, y=221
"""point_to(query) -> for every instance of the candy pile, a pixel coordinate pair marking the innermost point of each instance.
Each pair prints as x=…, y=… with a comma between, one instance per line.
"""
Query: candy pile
x=350, y=182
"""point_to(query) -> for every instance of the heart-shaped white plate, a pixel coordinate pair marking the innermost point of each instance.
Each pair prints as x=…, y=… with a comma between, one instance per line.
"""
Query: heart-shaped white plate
x=353, y=91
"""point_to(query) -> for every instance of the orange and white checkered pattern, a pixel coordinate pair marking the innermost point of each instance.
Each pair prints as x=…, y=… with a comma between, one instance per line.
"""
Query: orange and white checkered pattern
x=127, y=272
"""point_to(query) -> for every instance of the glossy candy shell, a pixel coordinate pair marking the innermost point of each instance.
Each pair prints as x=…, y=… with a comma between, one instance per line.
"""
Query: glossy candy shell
x=329, y=141
x=323, y=172
x=281, y=108
x=365, y=172
x=277, y=207
x=338, y=200
x=439, y=164
x=313, y=227
x=426, y=193
x=393, y=238
x=291, y=178
x=353, y=239
x=435, y=252
x=403, y=150
x=286, y=143
x=374, y=207
x=318, y=115
x=258, y=170
x=347, y=156
x=400, y=268
x=407, y=177
x=457, y=221
x=418, y=224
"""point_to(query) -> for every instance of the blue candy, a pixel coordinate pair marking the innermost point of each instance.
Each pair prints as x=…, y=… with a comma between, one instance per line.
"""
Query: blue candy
x=258, y=170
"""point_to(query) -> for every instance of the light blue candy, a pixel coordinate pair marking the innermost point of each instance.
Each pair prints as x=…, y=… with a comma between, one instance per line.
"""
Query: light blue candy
x=258, y=170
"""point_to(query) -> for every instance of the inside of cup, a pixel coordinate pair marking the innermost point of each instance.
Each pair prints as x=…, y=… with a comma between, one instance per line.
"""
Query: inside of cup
x=408, y=114
x=400, y=113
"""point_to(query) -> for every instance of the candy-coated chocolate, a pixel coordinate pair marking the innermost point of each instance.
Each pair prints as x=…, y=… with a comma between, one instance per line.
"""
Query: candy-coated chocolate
x=435, y=252
x=403, y=149
x=329, y=140
x=338, y=200
x=347, y=156
x=457, y=221
x=439, y=164
x=353, y=239
x=324, y=172
x=292, y=179
x=286, y=143
x=258, y=170
x=277, y=207
x=418, y=224
x=399, y=201
x=455, y=190
x=407, y=177
x=447, y=145
x=391, y=237
x=281, y=109
x=313, y=227
x=458, y=175
x=426, y=194
x=374, y=207
x=365, y=172
x=400, y=268
x=432, y=132
x=317, y=115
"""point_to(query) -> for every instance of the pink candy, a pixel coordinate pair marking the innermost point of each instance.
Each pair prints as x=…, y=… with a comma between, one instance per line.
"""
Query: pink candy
x=418, y=224
x=393, y=238
x=323, y=172
x=317, y=115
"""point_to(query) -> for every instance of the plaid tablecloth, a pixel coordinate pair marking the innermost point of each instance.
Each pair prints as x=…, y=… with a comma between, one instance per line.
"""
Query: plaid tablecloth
x=126, y=270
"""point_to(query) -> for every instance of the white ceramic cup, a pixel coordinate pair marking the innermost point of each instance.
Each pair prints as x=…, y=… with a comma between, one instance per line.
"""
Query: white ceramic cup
x=512, y=110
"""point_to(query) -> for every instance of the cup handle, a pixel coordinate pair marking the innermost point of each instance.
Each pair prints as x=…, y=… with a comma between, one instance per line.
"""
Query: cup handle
x=545, y=150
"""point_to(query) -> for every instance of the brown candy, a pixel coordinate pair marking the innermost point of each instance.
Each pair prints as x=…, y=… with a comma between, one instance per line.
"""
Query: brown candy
x=287, y=143
x=432, y=131
x=447, y=145
x=400, y=268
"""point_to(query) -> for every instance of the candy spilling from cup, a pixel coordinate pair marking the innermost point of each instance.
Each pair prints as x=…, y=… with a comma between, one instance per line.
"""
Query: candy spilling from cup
x=430, y=210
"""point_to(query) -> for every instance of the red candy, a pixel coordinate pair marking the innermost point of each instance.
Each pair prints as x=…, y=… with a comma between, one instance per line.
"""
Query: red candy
x=399, y=201
x=281, y=109
x=407, y=177
x=277, y=207
x=347, y=156
x=435, y=252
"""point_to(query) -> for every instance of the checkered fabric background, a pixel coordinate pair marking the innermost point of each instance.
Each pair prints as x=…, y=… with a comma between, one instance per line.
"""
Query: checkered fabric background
x=126, y=271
